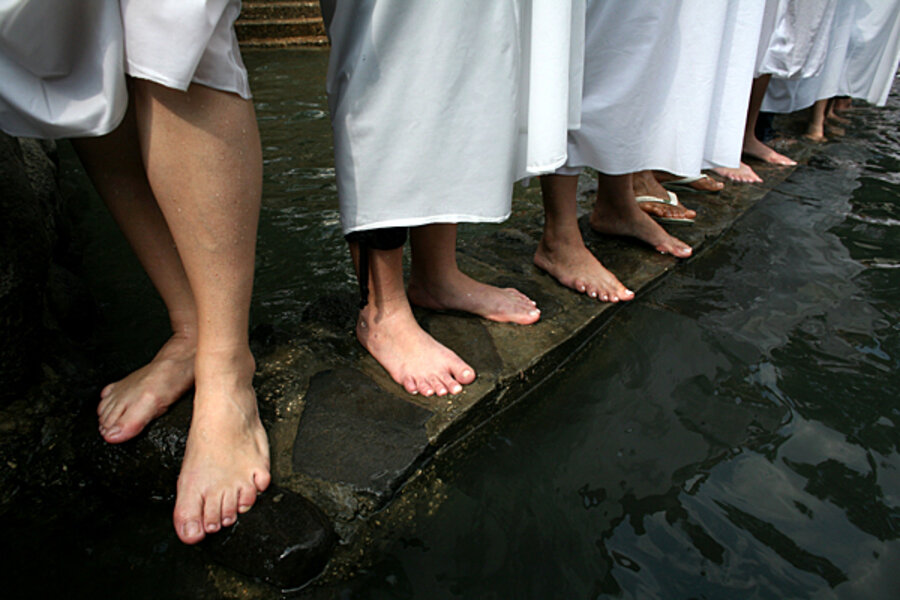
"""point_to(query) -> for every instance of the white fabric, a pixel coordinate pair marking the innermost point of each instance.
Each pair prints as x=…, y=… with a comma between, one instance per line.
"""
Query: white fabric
x=874, y=51
x=794, y=39
x=861, y=61
x=179, y=42
x=61, y=71
x=662, y=92
x=438, y=107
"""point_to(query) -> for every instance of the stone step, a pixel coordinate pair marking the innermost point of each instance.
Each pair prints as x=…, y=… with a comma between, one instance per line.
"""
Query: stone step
x=285, y=42
x=279, y=28
x=281, y=9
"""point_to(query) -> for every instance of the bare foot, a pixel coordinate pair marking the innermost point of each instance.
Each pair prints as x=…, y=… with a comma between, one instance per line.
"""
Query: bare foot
x=128, y=405
x=632, y=221
x=819, y=138
x=835, y=131
x=647, y=187
x=743, y=174
x=574, y=266
x=226, y=461
x=757, y=149
x=411, y=357
x=458, y=291
x=703, y=183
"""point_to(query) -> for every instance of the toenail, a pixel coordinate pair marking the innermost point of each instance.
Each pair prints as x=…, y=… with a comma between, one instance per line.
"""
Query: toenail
x=244, y=508
x=466, y=373
x=534, y=312
x=226, y=521
x=192, y=529
x=593, y=294
x=212, y=527
x=456, y=389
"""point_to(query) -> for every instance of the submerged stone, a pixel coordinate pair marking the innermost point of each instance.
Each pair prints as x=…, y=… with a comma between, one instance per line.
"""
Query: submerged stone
x=284, y=539
x=355, y=433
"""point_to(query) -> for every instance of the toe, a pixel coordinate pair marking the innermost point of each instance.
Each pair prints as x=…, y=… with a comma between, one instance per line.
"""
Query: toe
x=424, y=387
x=229, y=507
x=462, y=373
x=246, y=497
x=187, y=517
x=437, y=385
x=409, y=384
x=212, y=513
x=261, y=479
x=105, y=392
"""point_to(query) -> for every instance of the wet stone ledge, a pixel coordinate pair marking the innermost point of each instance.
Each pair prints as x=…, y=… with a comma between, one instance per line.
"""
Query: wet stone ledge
x=345, y=439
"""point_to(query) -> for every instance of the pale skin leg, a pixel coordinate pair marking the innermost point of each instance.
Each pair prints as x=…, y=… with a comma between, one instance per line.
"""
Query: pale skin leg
x=645, y=184
x=561, y=251
x=616, y=213
x=436, y=282
x=203, y=159
x=388, y=330
x=114, y=164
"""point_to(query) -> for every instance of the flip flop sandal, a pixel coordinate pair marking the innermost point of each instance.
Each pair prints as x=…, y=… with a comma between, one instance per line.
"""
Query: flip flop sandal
x=685, y=184
x=672, y=201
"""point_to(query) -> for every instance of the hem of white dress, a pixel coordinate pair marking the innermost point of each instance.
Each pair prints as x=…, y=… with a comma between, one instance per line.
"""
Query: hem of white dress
x=419, y=221
x=143, y=73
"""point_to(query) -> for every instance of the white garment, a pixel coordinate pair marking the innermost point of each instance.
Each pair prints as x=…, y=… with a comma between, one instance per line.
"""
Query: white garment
x=861, y=61
x=438, y=107
x=179, y=42
x=61, y=71
x=661, y=91
x=874, y=51
x=794, y=39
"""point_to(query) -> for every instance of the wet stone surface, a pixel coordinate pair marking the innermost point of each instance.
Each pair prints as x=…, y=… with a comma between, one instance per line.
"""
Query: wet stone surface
x=353, y=432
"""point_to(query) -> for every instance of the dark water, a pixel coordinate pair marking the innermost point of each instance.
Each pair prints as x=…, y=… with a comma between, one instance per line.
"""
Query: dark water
x=732, y=434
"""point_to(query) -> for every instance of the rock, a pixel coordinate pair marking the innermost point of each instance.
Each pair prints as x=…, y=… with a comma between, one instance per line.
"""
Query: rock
x=148, y=465
x=284, y=539
x=354, y=432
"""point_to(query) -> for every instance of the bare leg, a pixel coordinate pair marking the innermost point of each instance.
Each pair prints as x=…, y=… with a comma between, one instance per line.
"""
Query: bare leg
x=752, y=145
x=843, y=103
x=203, y=159
x=645, y=184
x=835, y=105
x=616, y=213
x=114, y=164
x=389, y=331
x=436, y=281
x=816, y=128
x=834, y=121
x=562, y=252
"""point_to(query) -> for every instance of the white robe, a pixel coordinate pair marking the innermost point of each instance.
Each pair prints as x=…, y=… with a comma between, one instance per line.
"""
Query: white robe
x=861, y=60
x=794, y=39
x=662, y=91
x=63, y=64
x=438, y=107
x=179, y=42
x=61, y=72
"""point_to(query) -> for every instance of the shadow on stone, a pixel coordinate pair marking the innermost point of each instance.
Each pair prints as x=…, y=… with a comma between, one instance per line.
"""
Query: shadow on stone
x=284, y=539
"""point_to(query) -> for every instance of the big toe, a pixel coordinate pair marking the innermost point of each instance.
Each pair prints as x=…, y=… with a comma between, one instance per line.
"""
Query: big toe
x=188, y=518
